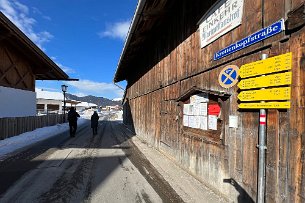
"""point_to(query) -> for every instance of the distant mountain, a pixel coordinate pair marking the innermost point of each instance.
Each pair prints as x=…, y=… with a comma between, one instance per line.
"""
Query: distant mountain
x=117, y=99
x=100, y=101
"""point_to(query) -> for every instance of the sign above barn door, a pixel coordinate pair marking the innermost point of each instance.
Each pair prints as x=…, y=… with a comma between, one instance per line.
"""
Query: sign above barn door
x=254, y=38
x=222, y=17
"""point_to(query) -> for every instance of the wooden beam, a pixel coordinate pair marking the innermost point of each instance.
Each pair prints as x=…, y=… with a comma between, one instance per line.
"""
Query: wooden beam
x=4, y=34
x=6, y=71
x=296, y=18
x=157, y=13
x=40, y=71
x=22, y=80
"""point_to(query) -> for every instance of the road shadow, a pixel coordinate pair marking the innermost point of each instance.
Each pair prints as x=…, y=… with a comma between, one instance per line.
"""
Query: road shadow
x=79, y=174
x=127, y=116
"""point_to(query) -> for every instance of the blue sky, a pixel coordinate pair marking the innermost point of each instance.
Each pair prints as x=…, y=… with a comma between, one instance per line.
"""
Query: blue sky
x=83, y=37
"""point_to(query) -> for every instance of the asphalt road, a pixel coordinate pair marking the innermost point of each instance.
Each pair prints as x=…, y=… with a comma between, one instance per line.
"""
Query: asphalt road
x=87, y=168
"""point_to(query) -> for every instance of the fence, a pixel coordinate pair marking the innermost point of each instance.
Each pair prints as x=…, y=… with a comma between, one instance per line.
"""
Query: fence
x=10, y=127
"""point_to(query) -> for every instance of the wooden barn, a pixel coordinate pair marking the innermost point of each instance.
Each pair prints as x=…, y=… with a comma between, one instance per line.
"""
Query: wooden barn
x=21, y=63
x=181, y=61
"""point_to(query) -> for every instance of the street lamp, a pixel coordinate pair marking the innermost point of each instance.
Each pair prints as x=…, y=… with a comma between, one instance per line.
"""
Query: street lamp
x=64, y=89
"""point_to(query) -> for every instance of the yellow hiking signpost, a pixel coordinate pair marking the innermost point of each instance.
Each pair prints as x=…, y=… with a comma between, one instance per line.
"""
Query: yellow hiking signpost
x=266, y=81
x=265, y=105
x=265, y=74
x=281, y=93
x=269, y=65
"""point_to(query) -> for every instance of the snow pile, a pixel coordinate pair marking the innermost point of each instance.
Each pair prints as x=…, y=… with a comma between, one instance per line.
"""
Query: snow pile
x=12, y=144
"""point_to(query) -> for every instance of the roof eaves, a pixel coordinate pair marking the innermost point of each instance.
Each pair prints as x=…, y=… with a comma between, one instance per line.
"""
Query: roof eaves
x=36, y=50
x=132, y=28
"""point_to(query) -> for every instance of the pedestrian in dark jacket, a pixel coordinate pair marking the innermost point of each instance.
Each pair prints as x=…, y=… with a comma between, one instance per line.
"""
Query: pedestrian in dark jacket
x=72, y=118
x=94, y=122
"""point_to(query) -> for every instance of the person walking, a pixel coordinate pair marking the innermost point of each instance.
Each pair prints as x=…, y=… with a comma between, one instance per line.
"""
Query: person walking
x=94, y=122
x=72, y=118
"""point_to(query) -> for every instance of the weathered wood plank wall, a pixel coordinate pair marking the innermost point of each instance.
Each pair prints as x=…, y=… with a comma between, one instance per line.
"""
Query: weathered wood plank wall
x=182, y=64
x=15, y=70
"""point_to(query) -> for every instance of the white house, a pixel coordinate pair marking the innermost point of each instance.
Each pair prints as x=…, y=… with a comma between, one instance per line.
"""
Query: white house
x=85, y=105
x=52, y=102
x=48, y=102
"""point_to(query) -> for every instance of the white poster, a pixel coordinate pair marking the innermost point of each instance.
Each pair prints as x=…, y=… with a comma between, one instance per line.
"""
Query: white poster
x=197, y=121
x=233, y=121
x=191, y=109
x=203, y=122
x=192, y=99
x=185, y=120
x=186, y=109
x=196, y=109
x=223, y=17
x=203, y=109
x=212, y=122
x=198, y=98
x=203, y=97
x=192, y=121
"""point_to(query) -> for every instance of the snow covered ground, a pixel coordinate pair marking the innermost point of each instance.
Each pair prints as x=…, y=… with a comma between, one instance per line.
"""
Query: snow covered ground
x=12, y=144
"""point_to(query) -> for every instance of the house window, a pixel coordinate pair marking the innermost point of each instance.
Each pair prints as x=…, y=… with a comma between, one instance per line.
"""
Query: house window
x=53, y=107
x=40, y=106
x=204, y=115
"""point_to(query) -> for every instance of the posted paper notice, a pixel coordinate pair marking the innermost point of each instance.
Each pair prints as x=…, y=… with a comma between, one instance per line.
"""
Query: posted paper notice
x=185, y=120
x=203, y=122
x=212, y=122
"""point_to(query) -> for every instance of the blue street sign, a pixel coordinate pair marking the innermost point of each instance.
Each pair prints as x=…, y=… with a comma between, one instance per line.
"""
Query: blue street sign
x=228, y=76
x=260, y=35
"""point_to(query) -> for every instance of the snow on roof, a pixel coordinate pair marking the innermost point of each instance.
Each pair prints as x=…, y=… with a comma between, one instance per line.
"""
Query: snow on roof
x=42, y=94
x=85, y=104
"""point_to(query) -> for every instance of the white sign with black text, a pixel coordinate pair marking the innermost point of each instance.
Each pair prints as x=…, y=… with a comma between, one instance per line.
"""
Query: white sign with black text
x=223, y=17
x=212, y=122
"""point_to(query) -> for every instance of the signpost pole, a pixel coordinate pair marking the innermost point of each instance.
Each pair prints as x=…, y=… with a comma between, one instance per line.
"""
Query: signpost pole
x=278, y=94
x=261, y=152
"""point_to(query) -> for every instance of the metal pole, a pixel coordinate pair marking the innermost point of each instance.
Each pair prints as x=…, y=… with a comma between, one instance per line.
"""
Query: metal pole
x=64, y=107
x=261, y=183
x=119, y=86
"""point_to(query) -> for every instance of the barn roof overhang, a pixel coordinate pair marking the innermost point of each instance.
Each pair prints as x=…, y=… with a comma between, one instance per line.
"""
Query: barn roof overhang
x=149, y=17
x=196, y=90
x=43, y=67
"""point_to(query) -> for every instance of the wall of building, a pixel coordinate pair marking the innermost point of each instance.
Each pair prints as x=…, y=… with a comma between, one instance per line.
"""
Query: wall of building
x=15, y=69
x=46, y=102
x=176, y=63
x=12, y=106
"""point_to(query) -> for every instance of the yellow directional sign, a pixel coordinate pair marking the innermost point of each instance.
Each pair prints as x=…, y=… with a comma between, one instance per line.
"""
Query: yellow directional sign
x=269, y=65
x=266, y=81
x=281, y=93
x=265, y=105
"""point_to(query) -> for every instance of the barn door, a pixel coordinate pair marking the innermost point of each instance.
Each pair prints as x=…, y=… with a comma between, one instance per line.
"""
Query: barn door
x=169, y=127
